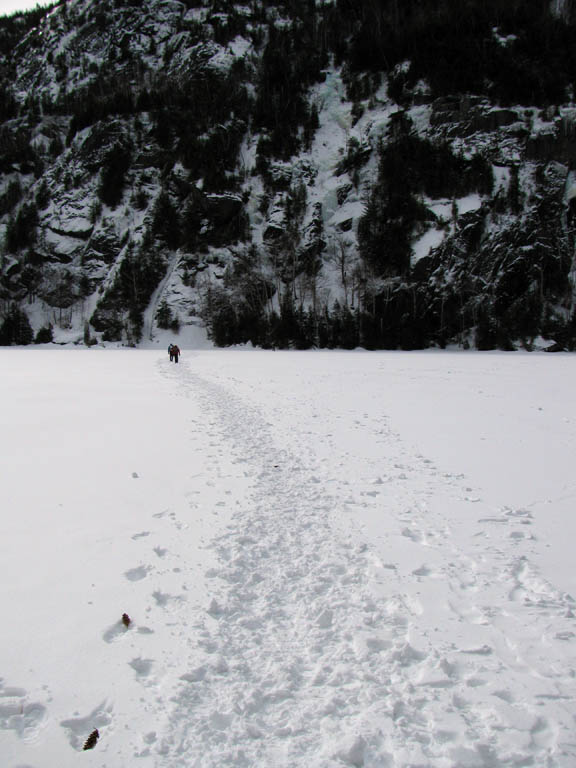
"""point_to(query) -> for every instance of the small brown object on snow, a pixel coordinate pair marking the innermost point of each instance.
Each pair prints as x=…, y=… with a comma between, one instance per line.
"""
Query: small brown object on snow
x=90, y=742
x=126, y=620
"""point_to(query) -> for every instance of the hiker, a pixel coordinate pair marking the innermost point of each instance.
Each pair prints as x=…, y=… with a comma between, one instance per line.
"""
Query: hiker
x=170, y=352
x=175, y=352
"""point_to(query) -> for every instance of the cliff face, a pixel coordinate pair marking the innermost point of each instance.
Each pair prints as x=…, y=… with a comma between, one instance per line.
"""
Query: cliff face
x=299, y=173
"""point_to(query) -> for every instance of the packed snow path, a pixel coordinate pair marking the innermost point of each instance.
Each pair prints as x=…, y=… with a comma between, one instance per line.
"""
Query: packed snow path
x=439, y=647
x=330, y=559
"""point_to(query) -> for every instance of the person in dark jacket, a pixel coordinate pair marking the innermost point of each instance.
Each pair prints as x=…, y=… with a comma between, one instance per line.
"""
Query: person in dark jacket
x=175, y=352
x=170, y=348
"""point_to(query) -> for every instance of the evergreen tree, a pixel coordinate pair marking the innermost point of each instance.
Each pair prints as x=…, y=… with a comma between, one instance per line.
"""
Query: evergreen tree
x=42, y=196
x=45, y=335
x=221, y=317
x=164, y=317
x=112, y=175
x=16, y=328
x=21, y=231
x=165, y=222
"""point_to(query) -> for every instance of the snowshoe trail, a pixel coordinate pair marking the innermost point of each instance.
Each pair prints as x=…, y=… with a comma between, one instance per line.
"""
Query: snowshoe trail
x=317, y=647
x=271, y=680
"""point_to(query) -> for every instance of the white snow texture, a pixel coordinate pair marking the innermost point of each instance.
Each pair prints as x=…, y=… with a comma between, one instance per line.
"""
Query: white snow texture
x=328, y=559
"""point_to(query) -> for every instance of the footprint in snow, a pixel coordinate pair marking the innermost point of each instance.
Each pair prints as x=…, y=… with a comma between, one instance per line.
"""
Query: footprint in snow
x=119, y=629
x=137, y=574
x=424, y=571
x=78, y=728
x=17, y=714
x=480, y=650
x=11, y=692
x=163, y=599
x=413, y=534
x=196, y=675
x=505, y=695
x=115, y=632
x=142, y=667
x=522, y=516
x=140, y=535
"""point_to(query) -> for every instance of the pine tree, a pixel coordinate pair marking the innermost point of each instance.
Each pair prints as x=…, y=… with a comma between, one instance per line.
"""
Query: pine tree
x=164, y=316
x=112, y=176
x=165, y=222
x=16, y=328
x=45, y=335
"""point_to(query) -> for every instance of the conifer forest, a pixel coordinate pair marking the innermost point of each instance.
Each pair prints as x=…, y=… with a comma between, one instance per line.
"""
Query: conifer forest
x=297, y=174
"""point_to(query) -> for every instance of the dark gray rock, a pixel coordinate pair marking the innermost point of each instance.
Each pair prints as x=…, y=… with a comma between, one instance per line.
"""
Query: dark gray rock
x=222, y=208
x=103, y=246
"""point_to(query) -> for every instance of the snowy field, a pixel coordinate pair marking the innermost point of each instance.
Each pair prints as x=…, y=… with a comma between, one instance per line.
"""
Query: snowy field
x=329, y=559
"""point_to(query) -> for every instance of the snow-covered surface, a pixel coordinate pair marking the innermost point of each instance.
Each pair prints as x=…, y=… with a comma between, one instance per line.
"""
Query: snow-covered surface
x=329, y=558
x=501, y=178
x=444, y=209
x=425, y=243
x=468, y=203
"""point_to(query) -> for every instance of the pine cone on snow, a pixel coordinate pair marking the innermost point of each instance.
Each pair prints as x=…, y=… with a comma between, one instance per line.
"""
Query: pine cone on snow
x=90, y=742
x=126, y=620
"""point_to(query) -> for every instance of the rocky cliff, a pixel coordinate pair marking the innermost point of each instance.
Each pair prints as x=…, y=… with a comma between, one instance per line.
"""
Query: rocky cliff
x=295, y=173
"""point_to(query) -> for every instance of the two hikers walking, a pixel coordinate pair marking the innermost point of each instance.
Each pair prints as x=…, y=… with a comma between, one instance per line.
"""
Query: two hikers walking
x=174, y=352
